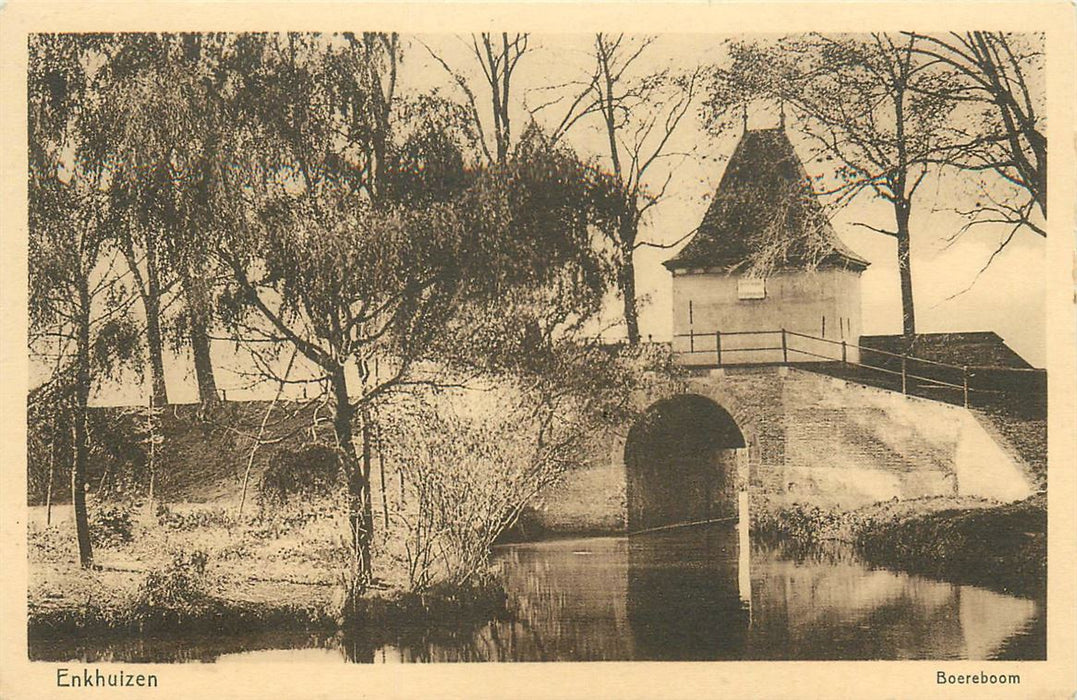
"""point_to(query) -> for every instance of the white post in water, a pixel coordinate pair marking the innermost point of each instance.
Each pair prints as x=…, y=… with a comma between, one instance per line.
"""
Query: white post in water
x=744, y=548
x=744, y=545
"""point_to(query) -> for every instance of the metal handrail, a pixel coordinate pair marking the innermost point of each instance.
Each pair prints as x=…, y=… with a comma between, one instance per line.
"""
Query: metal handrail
x=931, y=381
x=768, y=347
x=920, y=382
x=851, y=346
x=875, y=350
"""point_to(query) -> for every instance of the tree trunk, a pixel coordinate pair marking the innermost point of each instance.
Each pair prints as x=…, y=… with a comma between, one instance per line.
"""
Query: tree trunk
x=367, y=498
x=152, y=457
x=152, y=303
x=78, y=469
x=150, y=291
x=908, y=314
x=381, y=479
x=902, y=207
x=381, y=109
x=1039, y=149
x=358, y=486
x=627, y=282
x=52, y=470
x=203, y=363
x=198, y=315
x=628, y=291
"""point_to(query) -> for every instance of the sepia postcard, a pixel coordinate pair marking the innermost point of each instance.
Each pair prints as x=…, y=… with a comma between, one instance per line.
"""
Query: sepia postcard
x=522, y=350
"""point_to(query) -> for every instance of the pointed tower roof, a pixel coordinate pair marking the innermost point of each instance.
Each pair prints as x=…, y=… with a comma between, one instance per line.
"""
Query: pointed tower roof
x=765, y=215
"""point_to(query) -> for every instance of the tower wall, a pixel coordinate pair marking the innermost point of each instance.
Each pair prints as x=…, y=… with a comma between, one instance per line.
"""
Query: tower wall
x=823, y=303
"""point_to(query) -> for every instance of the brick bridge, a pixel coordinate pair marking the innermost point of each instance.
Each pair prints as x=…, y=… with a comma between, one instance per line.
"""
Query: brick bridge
x=786, y=434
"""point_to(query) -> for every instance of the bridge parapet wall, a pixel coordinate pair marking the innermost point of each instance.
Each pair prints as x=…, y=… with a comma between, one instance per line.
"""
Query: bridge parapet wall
x=816, y=439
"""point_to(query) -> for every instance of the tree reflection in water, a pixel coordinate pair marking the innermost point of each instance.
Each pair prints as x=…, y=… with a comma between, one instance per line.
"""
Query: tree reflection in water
x=670, y=595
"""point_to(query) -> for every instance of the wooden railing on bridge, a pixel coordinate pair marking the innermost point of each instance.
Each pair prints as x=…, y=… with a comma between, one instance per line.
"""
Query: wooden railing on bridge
x=966, y=385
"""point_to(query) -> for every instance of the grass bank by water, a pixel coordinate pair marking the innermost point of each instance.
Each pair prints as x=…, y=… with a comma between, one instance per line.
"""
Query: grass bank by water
x=1002, y=547
x=198, y=569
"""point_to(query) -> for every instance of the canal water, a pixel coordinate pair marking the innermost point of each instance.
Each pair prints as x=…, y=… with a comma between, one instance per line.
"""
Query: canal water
x=681, y=594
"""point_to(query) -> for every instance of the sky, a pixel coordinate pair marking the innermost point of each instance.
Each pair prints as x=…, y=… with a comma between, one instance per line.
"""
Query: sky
x=1007, y=298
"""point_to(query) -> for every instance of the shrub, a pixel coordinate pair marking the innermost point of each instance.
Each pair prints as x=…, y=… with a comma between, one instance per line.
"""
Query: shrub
x=176, y=594
x=1002, y=548
x=313, y=470
x=234, y=550
x=52, y=543
x=110, y=524
x=798, y=523
x=292, y=516
x=202, y=517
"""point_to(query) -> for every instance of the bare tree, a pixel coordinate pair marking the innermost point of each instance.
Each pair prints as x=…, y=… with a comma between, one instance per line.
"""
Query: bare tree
x=498, y=60
x=861, y=103
x=639, y=114
x=367, y=90
x=996, y=79
x=1002, y=73
x=498, y=57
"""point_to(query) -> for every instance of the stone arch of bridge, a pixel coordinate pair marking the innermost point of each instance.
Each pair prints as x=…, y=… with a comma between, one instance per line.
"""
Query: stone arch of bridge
x=684, y=460
x=720, y=392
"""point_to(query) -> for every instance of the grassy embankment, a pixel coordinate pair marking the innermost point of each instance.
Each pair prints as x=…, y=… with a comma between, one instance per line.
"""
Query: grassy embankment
x=964, y=540
x=198, y=568
x=195, y=564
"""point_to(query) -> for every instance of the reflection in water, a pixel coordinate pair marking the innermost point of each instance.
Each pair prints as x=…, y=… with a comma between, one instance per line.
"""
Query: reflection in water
x=681, y=605
x=180, y=648
x=665, y=595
